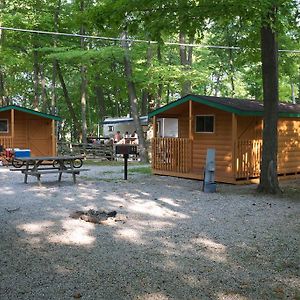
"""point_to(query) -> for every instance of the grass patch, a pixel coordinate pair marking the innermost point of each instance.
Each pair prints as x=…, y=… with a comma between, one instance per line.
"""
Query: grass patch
x=90, y=162
x=108, y=172
x=108, y=163
x=141, y=170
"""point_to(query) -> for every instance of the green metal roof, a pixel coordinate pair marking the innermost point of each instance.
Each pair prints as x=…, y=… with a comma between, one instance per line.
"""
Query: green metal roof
x=30, y=111
x=241, y=107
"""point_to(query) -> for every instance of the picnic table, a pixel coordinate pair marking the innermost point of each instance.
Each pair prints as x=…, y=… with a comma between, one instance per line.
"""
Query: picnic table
x=36, y=166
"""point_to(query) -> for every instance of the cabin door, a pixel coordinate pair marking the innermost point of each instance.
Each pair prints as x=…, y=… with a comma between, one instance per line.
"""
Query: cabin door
x=39, y=138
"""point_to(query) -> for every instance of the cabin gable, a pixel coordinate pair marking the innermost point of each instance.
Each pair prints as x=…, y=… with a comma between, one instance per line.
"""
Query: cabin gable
x=29, y=130
x=236, y=138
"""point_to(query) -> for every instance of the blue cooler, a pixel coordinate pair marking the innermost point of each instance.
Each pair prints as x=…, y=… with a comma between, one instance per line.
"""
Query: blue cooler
x=22, y=153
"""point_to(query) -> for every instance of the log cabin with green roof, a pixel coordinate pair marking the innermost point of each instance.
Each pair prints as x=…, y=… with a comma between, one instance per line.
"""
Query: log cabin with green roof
x=233, y=127
x=25, y=128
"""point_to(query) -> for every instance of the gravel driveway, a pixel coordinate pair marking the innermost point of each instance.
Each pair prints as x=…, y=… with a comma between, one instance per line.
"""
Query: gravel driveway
x=171, y=240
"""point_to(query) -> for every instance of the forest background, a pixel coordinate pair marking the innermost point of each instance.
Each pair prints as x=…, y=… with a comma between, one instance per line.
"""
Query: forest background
x=85, y=79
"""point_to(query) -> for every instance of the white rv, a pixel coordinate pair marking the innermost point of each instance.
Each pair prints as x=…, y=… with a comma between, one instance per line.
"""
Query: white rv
x=167, y=127
x=122, y=124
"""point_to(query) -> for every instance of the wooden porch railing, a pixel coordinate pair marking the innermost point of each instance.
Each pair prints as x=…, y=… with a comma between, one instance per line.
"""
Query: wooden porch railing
x=6, y=141
x=171, y=154
x=247, y=158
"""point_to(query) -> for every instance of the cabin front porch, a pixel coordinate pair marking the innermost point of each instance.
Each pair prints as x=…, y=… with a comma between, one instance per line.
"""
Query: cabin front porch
x=174, y=157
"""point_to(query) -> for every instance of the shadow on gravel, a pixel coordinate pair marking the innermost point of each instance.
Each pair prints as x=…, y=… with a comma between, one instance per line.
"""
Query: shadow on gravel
x=173, y=242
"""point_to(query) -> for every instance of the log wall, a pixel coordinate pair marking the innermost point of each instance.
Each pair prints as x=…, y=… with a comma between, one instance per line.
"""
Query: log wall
x=288, y=146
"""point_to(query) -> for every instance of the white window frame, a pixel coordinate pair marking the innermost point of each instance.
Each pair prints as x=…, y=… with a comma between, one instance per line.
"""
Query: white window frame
x=111, y=128
x=206, y=132
x=7, y=126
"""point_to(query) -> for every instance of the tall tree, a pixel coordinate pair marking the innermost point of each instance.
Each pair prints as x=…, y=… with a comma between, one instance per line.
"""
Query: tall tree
x=83, y=70
x=54, y=63
x=2, y=74
x=186, y=56
x=269, y=57
x=133, y=98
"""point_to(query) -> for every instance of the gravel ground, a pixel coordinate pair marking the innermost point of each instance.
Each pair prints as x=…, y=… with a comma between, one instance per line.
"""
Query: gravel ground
x=171, y=241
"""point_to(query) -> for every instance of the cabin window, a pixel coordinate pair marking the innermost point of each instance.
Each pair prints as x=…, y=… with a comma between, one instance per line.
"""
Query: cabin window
x=110, y=128
x=4, y=126
x=205, y=124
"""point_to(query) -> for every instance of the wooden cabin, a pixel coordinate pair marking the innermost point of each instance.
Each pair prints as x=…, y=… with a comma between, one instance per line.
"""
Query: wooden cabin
x=28, y=129
x=233, y=127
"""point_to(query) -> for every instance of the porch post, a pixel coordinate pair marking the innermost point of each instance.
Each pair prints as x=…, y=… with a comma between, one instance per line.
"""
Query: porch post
x=191, y=131
x=153, y=146
x=154, y=127
x=12, y=120
x=234, y=145
x=53, y=139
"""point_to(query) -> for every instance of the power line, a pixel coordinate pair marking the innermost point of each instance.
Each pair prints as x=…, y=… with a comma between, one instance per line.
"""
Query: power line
x=130, y=40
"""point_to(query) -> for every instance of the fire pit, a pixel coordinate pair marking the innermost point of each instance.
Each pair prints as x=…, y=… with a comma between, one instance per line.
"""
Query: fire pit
x=94, y=216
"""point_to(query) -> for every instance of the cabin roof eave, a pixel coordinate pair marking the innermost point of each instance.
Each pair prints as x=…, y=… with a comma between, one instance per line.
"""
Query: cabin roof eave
x=30, y=111
x=223, y=107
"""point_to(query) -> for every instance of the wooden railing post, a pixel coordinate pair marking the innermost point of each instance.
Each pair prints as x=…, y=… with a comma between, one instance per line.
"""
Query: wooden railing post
x=53, y=139
x=234, y=145
x=171, y=154
x=12, y=120
x=248, y=155
x=191, y=131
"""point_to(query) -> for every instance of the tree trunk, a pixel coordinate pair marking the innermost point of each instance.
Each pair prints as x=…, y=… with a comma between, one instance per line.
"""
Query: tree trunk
x=232, y=72
x=100, y=98
x=269, y=56
x=44, y=92
x=133, y=99
x=186, y=55
x=54, y=63
x=160, y=86
x=83, y=71
x=145, y=101
x=299, y=86
x=217, y=85
x=230, y=43
x=53, y=88
x=2, y=91
x=293, y=97
x=3, y=100
x=168, y=93
x=145, y=92
x=36, y=83
x=83, y=103
x=68, y=101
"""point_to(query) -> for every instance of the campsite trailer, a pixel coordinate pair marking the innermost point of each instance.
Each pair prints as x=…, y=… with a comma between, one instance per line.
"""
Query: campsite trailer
x=24, y=128
x=167, y=127
x=233, y=127
x=122, y=124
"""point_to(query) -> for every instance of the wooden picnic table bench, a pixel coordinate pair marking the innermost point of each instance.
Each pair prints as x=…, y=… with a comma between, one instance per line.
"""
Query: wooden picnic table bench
x=36, y=166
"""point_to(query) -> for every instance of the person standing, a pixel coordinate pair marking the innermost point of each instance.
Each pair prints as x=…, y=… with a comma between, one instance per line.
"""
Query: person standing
x=117, y=137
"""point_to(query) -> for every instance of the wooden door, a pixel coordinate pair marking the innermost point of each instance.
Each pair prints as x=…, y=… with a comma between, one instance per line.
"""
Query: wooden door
x=39, y=137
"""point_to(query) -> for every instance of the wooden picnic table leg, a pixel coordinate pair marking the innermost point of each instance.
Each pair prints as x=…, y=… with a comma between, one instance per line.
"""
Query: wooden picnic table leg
x=72, y=168
x=38, y=177
x=26, y=171
x=35, y=167
x=61, y=168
